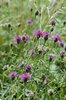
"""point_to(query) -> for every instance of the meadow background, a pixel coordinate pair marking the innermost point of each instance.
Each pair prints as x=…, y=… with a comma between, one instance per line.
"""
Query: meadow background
x=48, y=78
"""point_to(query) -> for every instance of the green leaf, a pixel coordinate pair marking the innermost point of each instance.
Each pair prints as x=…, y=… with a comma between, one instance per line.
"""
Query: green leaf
x=1, y=39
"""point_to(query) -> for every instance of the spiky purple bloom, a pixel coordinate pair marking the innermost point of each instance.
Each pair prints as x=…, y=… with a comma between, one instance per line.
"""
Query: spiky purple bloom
x=12, y=74
x=25, y=38
x=45, y=35
x=61, y=43
x=37, y=33
x=29, y=21
x=25, y=77
x=18, y=38
x=56, y=37
x=28, y=67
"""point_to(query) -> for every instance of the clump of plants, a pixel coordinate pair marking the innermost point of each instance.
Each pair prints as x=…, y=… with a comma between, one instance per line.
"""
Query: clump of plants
x=33, y=50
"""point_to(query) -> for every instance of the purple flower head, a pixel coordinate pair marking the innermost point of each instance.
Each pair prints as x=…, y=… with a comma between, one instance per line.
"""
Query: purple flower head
x=37, y=33
x=45, y=35
x=62, y=53
x=61, y=43
x=18, y=38
x=12, y=74
x=56, y=37
x=25, y=38
x=25, y=77
x=29, y=21
x=28, y=67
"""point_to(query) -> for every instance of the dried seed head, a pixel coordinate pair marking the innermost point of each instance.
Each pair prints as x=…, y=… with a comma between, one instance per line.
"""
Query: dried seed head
x=52, y=21
x=62, y=53
x=40, y=48
x=30, y=94
x=50, y=57
x=50, y=92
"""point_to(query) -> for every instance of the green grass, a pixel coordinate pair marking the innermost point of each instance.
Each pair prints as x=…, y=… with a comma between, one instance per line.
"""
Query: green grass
x=15, y=12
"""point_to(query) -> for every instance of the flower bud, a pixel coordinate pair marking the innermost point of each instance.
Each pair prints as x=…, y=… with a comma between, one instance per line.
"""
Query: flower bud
x=50, y=92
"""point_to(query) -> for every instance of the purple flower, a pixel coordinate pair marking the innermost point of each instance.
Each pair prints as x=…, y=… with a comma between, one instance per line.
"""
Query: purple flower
x=12, y=74
x=18, y=38
x=25, y=38
x=29, y=21
x=37, y=33
x=61, y=43
x=25, y=77
x=56, y=37
x=45, y=35
x=28, y=67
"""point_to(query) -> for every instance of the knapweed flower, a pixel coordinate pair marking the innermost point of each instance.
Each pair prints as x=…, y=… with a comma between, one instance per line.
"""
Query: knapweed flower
x=12, y=74
x=25, y=38
x=40, y=48
x=62, y=53
x=5, y=67
x=50, y=57
x=18, y=38
x=61, y=43
x=31, y=52
x=50, y=92
x=30, y=94
x=56, y=37
x=52, y=21
x=29, y=21
x=44, y=79
x=25, y=77
x=37, y=33
x=45, y=35
x=28, y=67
